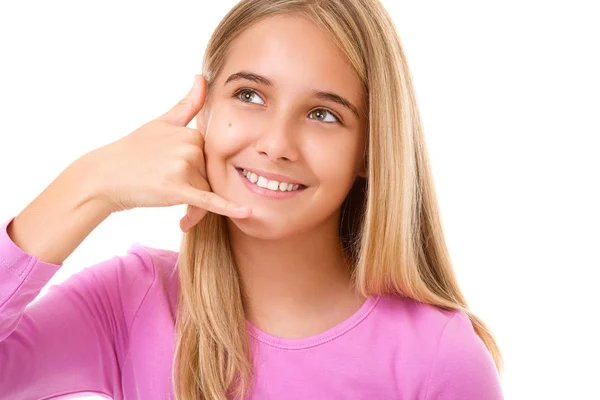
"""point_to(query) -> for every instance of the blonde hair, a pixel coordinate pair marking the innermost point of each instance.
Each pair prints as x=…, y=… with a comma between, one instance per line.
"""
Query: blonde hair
x=390, y=224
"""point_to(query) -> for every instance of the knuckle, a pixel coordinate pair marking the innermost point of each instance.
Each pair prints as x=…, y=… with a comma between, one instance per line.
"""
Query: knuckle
x=194, y=137
x=205, y=198
x=177, y=132
x=180, y=167
x=198, y=181
x=193, y=153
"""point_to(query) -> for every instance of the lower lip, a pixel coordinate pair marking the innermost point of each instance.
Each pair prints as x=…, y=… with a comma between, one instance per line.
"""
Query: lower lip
x=271, y=194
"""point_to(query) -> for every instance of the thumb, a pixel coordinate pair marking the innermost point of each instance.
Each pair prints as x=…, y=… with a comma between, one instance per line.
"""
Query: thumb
x=187, y=108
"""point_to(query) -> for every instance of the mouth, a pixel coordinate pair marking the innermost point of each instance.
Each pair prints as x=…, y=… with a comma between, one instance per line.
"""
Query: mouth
x=272, y=188
x=270, y=180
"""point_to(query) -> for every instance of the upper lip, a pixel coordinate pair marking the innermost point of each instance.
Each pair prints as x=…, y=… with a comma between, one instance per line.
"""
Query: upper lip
x=272, y=177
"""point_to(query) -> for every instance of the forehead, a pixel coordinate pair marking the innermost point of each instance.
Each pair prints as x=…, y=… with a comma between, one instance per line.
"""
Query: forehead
x=296, y=55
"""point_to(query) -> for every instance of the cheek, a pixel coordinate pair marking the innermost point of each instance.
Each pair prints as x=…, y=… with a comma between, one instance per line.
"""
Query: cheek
x=332, y=163
x=225, y=136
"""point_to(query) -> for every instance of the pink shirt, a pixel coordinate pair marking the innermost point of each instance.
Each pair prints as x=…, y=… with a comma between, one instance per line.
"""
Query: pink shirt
x=109, y=330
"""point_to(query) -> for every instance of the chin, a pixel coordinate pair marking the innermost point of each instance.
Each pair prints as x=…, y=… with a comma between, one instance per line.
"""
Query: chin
x=261, y=228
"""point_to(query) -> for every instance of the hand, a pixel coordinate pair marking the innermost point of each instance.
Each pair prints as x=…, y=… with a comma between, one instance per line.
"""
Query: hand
x=162, y=164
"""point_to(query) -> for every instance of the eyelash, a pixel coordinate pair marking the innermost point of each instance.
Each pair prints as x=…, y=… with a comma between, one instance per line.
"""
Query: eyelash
x=242, y=90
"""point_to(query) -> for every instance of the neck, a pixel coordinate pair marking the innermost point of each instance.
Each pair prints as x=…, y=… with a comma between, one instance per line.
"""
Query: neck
x=306, y=277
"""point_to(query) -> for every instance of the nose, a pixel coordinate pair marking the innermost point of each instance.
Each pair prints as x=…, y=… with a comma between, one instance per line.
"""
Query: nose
x=277, y=140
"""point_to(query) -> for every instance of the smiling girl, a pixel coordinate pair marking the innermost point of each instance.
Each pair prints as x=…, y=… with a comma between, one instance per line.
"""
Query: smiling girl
x=332, y=282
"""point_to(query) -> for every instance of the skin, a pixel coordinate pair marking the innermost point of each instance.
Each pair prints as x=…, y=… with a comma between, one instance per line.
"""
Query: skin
x=294, y=276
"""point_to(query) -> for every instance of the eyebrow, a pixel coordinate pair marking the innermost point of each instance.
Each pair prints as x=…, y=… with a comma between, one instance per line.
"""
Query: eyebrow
x=316, y=93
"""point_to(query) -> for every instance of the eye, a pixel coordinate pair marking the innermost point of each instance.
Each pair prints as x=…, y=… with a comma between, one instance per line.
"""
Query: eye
x=322, y=111
x=246, y=94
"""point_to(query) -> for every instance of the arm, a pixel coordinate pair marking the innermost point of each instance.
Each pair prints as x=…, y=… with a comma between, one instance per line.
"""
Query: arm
x=74, y=338
x=57, y=221
x=69, y=340
x=463, y=367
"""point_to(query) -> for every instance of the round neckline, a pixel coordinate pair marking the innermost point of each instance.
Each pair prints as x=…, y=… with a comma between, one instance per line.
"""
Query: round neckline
x=320, y=338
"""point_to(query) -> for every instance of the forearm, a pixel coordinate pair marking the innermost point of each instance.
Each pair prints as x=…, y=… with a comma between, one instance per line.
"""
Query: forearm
x=57, y=221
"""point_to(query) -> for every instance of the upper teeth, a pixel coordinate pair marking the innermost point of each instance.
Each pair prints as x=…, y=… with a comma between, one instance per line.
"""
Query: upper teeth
x=267, y=184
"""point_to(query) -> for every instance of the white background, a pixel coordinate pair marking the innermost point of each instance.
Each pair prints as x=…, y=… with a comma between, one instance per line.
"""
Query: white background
x=509, y=96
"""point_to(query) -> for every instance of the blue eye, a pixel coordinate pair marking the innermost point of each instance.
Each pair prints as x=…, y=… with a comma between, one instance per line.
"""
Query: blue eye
x=246, y=96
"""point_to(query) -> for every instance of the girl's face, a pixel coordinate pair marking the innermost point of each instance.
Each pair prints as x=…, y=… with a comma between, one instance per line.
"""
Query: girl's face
x=264, y=115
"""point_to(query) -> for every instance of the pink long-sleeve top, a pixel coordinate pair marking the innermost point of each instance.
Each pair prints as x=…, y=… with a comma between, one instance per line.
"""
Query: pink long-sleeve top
x=109, y=330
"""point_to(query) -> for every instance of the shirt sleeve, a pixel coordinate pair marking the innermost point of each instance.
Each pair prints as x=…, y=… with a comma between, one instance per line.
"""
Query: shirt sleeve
x=70, y=340
x=463, y=367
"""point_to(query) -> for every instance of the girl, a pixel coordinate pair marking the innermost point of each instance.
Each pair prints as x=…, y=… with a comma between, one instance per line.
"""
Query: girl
x=333, y=282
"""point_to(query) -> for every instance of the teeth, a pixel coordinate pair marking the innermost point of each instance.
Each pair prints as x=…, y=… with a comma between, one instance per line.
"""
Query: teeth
x=267, y=184
x=262, y=182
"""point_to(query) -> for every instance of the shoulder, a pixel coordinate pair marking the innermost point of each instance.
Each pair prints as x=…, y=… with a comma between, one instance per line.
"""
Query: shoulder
x=419, y=321
x=140, y=266
x=151, y=268
x=143, y=274
x=455, y=364
x=152, y=263
x=462, y=366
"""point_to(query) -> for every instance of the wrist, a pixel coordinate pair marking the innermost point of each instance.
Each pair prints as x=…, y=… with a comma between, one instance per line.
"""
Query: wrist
x=85, y=175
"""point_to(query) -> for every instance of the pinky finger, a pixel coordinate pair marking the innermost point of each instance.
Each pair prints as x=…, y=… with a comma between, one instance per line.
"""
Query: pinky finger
x=192, y=216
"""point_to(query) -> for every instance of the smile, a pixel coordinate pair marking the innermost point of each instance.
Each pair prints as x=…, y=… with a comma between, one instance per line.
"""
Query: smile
x=263, y=182
x=269, y=188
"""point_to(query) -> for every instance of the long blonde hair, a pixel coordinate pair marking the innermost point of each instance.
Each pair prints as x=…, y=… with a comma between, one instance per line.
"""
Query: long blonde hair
x=390, y=224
